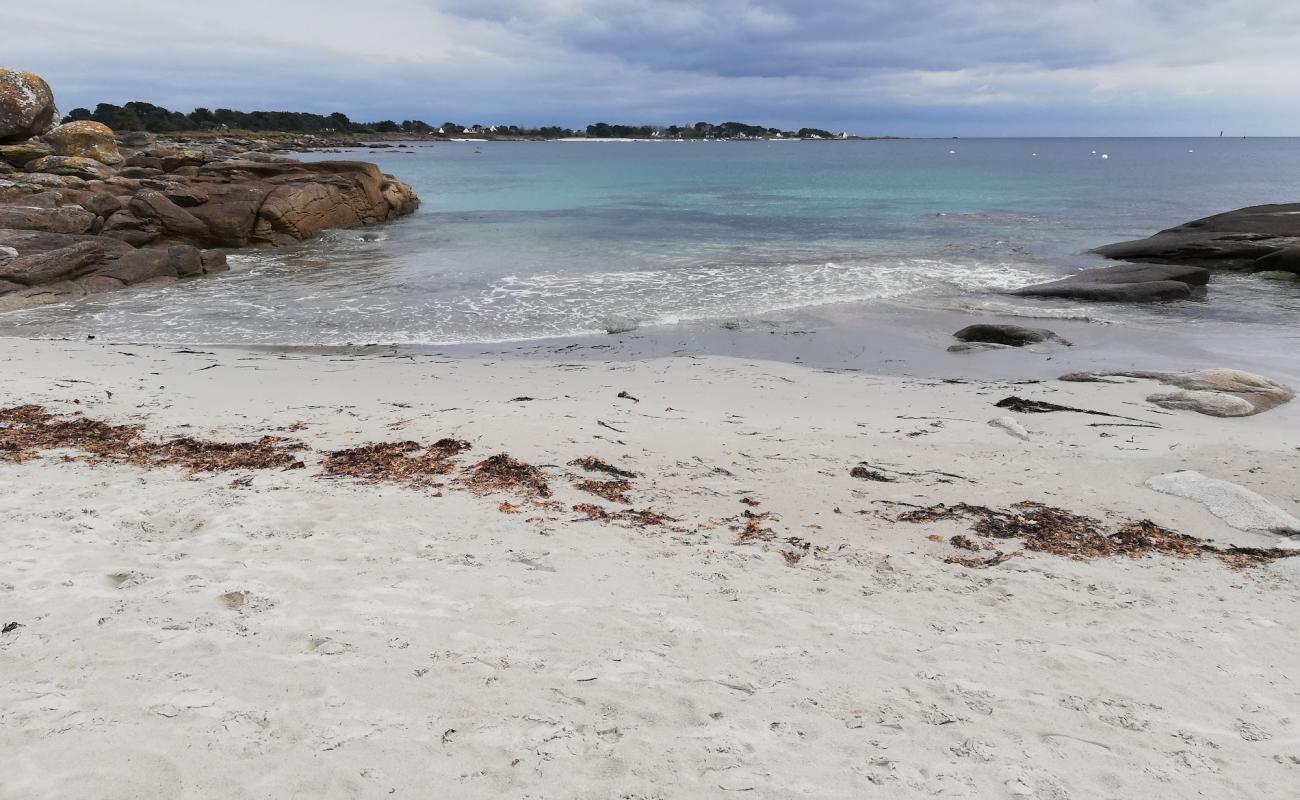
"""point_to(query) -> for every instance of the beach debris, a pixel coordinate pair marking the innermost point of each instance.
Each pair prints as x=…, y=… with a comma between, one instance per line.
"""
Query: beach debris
x=866, y=472
x=10, y=627
x=1042, y=528
x=593, y=464
x=26, y=431
x=502, y=473
x=1026, y=406
x=604, y=424
x=973, y=562
x=522, y=399
x=407, y=462
x=614, y=491
x=749, y=501
x=507, y=507
x=630, y=517
x=753, y=529
x=1012, y=427
x=626, y=396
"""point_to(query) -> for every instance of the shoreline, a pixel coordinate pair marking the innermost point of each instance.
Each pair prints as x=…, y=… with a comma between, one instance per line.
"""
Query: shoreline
x=808, y=640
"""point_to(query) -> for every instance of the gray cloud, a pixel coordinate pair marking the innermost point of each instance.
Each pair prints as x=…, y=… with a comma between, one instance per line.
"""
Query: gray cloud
x=920, y=67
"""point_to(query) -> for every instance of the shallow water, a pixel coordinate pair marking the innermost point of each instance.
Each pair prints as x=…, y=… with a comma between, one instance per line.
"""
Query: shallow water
x=522, y=240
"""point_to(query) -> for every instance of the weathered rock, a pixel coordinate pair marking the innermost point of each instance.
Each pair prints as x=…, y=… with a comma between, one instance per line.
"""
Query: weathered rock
x=176, y=223
x=1286, y=259
x=1235, y=239
x=22, y=154
x=1215, y=392
x=184, y=196
x=55, y=220
x=127, y=227
x=102, y=204
x=63, y=264
x=85, y=139
x=1126, y=283
x=181, y=158
x=26, y=106
x=139, y=172
x=214, y=261
x=76, y=166
x=1236, y=505
x=7, y=254
x=1012, y=335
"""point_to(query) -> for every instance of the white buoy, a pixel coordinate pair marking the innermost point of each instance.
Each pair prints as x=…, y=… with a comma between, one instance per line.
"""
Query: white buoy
x=1104, y=155
x=1191, y=151
x=1035, y=155
x=1094, y=152
x=952, y=152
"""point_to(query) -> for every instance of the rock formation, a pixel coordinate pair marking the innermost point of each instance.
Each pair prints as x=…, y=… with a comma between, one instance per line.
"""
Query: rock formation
x=1257, y=239
x=83, y=211
x=1215, y=392
x=26, y=106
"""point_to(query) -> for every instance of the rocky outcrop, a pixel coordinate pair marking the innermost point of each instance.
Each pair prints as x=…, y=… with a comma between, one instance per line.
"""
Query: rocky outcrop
x=1215, y=392
x=1256, y=238
x=26, y=106
x=1127, y=283
x=83, y=212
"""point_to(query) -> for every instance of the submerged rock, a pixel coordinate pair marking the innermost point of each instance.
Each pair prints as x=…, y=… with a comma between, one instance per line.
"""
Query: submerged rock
x=1236, y=505
x=1215, y=392
x=1128, y=283
x=618, y=324
x=1010, y=335
x=26, y=106
x=1239, y=239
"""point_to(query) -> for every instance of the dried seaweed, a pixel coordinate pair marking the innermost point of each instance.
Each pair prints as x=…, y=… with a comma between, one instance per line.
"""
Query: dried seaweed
x=613, y=491
x=196, y=455
x=963, y=542
x=980, y=563
x=863, y=472
x=1046, y=529
x=501, y=473
x=753, y=529
x=407, y=462
x=592, y=511
x=30, y=429
x=593, y=464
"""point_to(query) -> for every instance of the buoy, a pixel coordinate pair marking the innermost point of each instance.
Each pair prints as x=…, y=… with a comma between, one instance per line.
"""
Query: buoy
x=1094, y=152
x=1104, y=155
x=952, y=152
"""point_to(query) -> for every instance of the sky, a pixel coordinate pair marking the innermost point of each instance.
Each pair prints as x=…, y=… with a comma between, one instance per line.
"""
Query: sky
x=869, y=67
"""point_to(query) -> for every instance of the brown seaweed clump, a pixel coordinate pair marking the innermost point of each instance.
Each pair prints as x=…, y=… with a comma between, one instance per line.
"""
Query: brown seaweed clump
x=1043, y=528
x=613, y=491
x=629, y=518
x=26, y=431
x=754, y=529
x=593, y=464
x=409, y=463
x=502, y=473
x=196, y=455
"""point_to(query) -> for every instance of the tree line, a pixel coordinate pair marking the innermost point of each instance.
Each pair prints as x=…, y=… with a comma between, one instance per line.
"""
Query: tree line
x=140, y=116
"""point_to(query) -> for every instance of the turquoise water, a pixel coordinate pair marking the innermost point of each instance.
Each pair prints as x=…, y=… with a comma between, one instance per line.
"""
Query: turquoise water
x=522, y=240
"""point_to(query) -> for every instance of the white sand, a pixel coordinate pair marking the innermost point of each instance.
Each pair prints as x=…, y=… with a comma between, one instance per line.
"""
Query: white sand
x=395, y=643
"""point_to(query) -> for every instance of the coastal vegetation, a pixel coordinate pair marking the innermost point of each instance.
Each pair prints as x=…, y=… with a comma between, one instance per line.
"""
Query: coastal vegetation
x=141, y=116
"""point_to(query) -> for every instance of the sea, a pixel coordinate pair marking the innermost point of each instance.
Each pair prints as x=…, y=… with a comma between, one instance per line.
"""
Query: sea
x=556, y=241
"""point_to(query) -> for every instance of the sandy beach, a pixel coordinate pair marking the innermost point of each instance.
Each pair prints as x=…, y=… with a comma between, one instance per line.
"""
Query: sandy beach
x=763, y=624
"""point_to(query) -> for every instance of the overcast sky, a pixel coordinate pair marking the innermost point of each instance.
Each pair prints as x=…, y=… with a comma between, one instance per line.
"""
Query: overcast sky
x=904, y=67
